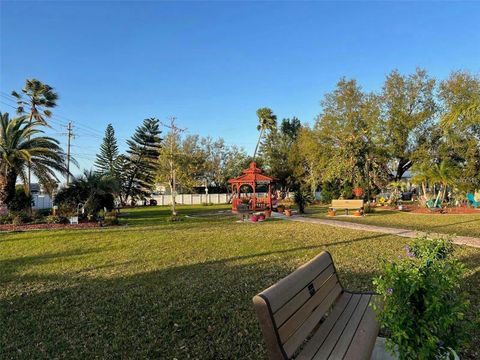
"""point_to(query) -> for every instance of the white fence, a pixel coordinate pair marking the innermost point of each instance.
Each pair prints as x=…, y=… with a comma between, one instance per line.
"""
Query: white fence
x=42, y=202
x=192, y=199
x=198, y=199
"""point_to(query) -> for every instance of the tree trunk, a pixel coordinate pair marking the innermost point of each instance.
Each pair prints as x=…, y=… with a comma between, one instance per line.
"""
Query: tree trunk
x=403, y=166
x=438, y=197
x=444, y=193
x=258, y=143
x=7, y=190
x=424, y=189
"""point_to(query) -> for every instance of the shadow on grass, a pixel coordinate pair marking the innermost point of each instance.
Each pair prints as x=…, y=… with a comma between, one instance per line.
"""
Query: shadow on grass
x=202, y=310
x=11, y=266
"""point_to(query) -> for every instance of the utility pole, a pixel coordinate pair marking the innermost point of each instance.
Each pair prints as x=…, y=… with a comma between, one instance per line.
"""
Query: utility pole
x=174, y=131
x=69, y=134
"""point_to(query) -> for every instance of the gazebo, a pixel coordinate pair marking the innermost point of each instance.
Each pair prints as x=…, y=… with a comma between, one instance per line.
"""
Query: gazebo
x=252, y=177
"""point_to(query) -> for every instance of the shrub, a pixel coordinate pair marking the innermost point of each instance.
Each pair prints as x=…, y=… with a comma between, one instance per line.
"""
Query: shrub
x=38, y=216
x=302, y=198
x=368, y=209
x=21, y=201
x=111, y=218
x=57, y=219
x=66, y=210
x=20, y=218
x=6, y=219
x=329, y=191
x=422, y=303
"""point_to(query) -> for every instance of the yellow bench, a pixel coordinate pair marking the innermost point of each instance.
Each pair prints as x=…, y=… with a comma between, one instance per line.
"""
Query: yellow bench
x=347, y=204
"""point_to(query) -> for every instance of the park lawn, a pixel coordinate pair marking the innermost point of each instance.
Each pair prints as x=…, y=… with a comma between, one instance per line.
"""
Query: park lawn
x=463, y=225
x=155, y=289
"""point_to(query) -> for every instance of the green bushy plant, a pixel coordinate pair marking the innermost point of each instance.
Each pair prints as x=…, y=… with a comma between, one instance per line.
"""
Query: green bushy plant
x=302, y=197
x=368, y=209
x=6, y=219
x=329, y=192
x=20, y=218
x=22, y=201
x=38, y=216
x=111, y=218
x=57, y=219
x=422, y=303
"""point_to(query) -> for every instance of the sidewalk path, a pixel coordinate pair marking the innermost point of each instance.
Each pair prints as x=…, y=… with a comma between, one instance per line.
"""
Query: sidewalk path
x=460, y=240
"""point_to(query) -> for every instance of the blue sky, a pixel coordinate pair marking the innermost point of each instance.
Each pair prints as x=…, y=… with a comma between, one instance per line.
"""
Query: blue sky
x=212, y=64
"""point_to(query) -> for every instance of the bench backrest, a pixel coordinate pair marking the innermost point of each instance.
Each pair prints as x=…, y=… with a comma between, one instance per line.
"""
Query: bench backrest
x=291, y=309
x=347, y=204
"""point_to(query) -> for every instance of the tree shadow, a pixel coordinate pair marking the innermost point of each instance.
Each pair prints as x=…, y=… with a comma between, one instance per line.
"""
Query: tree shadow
x=201, y=310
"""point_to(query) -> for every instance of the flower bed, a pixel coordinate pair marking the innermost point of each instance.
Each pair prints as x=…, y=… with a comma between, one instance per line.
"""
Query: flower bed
x=452, y=210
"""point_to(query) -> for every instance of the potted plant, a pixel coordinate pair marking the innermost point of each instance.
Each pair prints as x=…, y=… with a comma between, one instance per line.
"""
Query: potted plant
x=331, y=212
x=422, y=302
x=288, y=211
x=357, y=213
x=254, y=218
x=261, y=217
x=281, y=208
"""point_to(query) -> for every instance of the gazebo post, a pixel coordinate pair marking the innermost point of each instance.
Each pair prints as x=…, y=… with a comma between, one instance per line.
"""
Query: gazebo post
x=254, y=197
x=269, y=196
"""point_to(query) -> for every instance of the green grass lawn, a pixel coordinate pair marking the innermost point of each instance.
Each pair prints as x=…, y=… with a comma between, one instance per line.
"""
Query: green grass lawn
x=155, y=289
x=464, y=225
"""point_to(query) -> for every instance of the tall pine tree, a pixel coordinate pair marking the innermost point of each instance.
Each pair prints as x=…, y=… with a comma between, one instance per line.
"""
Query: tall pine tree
x=141, y=161
x=107, y=158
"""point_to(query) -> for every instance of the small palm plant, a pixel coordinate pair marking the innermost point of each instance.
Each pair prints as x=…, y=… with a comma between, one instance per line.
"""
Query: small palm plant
x=22, y=146
x=444, y=174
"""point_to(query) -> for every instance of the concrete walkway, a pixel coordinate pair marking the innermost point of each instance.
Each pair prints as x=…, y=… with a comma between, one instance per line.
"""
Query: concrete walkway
x=460, y=240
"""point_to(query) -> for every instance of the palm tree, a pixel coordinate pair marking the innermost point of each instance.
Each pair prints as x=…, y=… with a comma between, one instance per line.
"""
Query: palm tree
x=444, y=174
x=267, y=120
x=422, y=175
x=23, y=147
x=40, y=98
x=94, y=190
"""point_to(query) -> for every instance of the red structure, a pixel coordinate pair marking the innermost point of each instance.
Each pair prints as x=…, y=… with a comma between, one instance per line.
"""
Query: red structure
x=252, y=177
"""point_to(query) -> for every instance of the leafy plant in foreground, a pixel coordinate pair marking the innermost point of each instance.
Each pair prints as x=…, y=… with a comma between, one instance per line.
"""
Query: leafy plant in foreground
x=422, y=303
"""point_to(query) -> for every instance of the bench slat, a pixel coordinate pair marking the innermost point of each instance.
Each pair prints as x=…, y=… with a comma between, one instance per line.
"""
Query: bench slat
x=297, y=319
x=363, y=342
x=337, y=329
x=320, y=335
x=347, y=335
x=347, y=204
x=297, y=339
x=284, y=290
x=285, y=312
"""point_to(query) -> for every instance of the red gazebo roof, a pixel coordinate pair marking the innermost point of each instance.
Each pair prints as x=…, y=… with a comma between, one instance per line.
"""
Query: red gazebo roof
x=252, y=175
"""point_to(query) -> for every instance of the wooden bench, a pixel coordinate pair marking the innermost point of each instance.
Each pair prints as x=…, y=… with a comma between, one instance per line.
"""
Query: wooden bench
x=347, y=205
x=308, y=315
